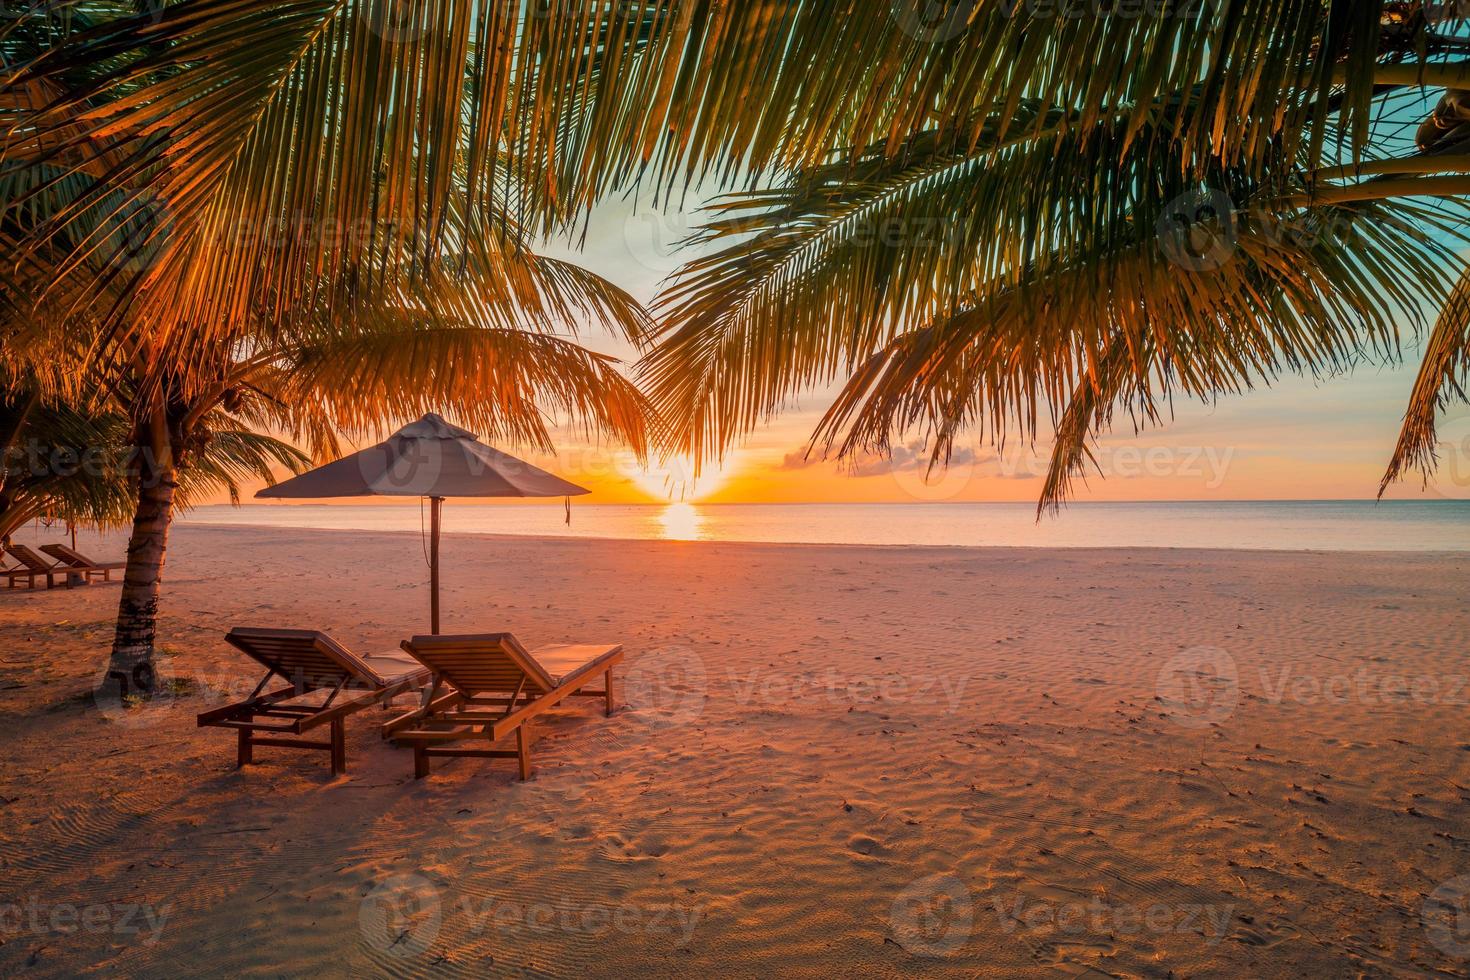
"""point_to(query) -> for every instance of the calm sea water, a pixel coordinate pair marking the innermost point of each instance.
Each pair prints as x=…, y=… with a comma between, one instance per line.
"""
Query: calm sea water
x=1441, y=525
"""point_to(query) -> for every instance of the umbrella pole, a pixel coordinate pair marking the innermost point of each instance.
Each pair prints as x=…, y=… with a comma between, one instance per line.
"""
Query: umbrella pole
x=436, y=505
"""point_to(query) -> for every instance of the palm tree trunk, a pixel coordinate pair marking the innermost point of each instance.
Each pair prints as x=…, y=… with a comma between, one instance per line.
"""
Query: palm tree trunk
x=15, y=423
x=131, y=666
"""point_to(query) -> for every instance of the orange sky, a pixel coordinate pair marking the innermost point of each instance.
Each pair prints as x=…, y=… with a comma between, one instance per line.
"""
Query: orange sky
x=1299, y=440
x=1294, y=442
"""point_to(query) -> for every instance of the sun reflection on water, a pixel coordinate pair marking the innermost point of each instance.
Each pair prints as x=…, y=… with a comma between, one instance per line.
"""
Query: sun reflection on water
x=681, y=522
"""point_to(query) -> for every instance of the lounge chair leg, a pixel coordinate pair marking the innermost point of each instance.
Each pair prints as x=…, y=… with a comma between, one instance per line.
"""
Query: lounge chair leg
x=339, y=747
x=607, y=682
x=246, y=752
x=523, y=752
x=420, y=762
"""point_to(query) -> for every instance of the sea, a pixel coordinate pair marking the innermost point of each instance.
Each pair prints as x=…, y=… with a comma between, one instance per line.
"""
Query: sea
x=1356, y=525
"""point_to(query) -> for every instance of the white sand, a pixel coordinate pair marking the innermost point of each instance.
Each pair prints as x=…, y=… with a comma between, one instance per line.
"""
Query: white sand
x=875, y=761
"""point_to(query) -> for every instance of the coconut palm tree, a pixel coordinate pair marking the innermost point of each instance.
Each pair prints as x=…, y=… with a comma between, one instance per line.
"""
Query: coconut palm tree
x=75, y=467
x=990, y=215
x=350, y=372
x=447, y=342
x=320, y=159
x=306, y=215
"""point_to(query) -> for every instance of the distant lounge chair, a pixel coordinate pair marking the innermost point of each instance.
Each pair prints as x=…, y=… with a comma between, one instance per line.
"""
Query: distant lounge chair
x=474, y=674
x=32, y=566
x=66, y=556
x=310, y=662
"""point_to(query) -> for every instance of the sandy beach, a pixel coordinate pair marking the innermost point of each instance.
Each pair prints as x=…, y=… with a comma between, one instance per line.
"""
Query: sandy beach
x=881, y=761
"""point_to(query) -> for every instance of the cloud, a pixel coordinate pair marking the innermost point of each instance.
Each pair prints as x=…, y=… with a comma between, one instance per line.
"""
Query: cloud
x=910, y=457
x=914, y=456
x=799, y=460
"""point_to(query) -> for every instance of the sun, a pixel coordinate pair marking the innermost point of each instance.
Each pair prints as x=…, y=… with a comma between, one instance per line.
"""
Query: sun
x=674, y=479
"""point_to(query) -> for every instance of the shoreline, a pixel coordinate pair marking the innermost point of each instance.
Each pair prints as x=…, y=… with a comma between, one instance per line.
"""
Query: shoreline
x=569, y=538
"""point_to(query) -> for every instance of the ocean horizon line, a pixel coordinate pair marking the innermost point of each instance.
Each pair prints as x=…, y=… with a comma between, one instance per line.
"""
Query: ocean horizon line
x=1311, y=525
x=522, y=502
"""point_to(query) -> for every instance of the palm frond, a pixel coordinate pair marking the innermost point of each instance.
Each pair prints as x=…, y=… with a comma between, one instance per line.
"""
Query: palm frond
x=507, y=384
x=1029, y=256
x=229, y=457
x=1134, y=325
x=1443, y=375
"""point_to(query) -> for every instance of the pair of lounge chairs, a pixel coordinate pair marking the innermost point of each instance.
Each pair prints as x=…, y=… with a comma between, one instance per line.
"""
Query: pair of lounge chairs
x=477, y=689
x=68, y=565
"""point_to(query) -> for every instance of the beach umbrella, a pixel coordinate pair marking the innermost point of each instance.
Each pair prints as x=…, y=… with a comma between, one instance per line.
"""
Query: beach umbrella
x=428, y=458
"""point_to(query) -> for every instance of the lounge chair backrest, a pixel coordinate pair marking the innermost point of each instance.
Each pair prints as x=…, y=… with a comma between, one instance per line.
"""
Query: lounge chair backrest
x=480, y=664
x=29, y=558
x=302, y=656
x=68, y=556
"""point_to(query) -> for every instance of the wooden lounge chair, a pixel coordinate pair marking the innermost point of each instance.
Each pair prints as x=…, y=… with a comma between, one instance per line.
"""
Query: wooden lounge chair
x=68, y=557
x=310, y=663
x=476, y=675
x=32, y=566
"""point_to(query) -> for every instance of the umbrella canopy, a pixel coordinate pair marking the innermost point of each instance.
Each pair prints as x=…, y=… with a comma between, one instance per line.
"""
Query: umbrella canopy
x=428, y=458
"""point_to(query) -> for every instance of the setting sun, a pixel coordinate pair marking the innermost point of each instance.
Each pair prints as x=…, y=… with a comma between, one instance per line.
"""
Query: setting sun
x=677, y=479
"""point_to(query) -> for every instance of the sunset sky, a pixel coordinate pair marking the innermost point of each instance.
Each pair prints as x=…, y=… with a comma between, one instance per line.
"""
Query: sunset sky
x=1298, y=440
